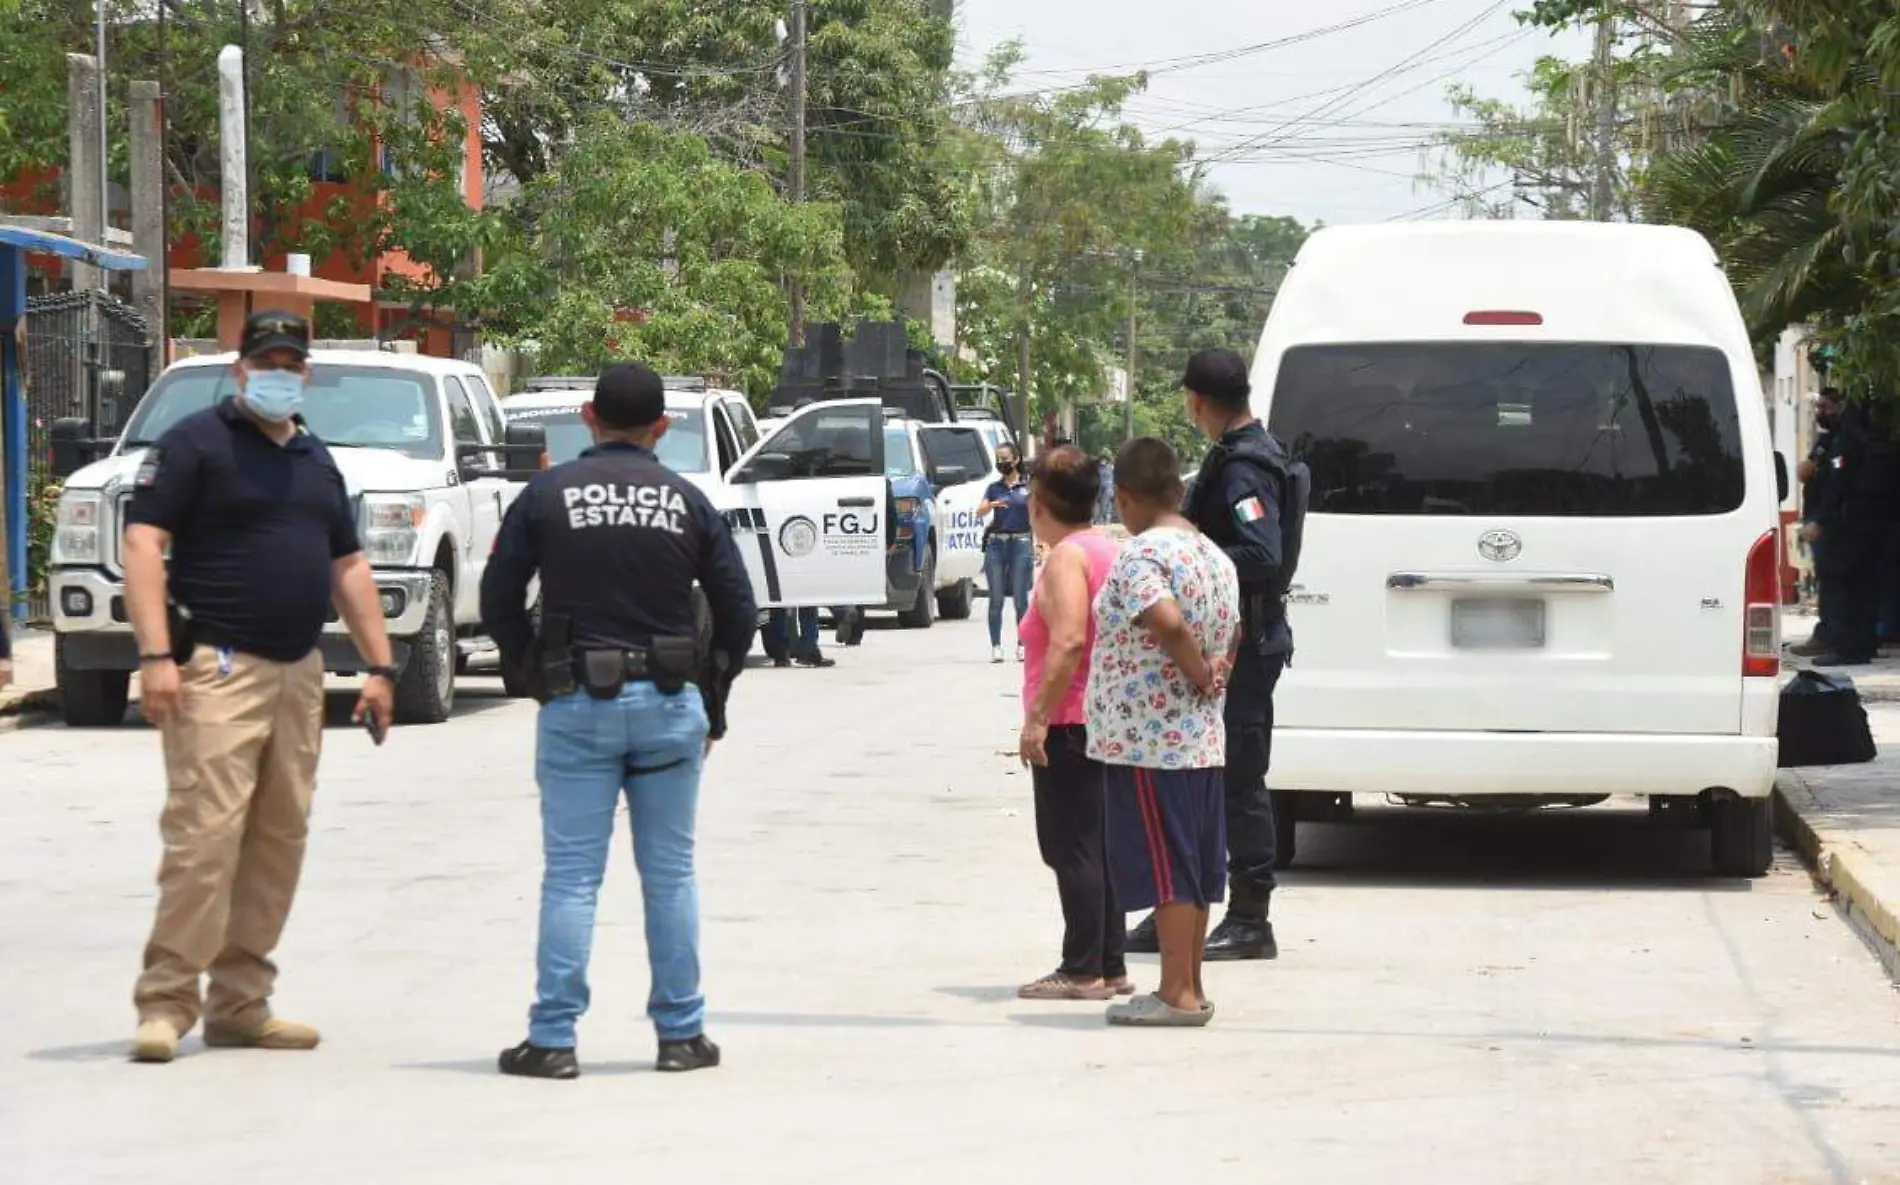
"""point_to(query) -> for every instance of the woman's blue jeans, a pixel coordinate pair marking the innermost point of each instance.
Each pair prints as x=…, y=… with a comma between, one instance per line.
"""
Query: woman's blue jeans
x=1009, y=564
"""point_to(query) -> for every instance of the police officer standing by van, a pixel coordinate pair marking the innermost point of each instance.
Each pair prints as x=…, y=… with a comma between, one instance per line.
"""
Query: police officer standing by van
x=1250, y=498
x=632, y=692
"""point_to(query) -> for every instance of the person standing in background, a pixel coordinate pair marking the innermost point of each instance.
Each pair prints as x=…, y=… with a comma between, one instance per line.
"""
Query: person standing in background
x=263, y=541
x=801, y=649
x=1814, y=471
x=1059, y=637
x=1008, y=552
x=1851, y=522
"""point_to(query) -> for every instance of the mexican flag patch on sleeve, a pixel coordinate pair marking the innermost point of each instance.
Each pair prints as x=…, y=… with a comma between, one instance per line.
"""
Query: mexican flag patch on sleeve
x=1249, y=510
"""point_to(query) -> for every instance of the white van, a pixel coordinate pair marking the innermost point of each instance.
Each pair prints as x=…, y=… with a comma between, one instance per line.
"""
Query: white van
x=1540, y=564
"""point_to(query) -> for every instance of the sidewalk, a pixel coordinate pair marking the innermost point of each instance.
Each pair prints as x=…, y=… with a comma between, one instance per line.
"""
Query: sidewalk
x=1845, y=820
x=34, y=687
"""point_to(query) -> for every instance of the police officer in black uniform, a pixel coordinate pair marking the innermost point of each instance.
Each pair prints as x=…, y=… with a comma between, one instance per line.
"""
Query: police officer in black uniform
x=1240, y=499
x=632, y=683
x=1856, y=509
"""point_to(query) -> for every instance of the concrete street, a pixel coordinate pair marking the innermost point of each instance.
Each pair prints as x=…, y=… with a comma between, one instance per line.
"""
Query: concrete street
x=1556, y=999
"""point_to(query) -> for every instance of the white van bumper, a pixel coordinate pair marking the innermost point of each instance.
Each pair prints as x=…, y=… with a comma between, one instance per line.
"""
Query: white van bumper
x=1472, y=764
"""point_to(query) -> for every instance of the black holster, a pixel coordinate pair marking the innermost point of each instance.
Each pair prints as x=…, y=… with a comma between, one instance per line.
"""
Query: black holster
x=551, y=659
x=667, y=663
x=183, y=631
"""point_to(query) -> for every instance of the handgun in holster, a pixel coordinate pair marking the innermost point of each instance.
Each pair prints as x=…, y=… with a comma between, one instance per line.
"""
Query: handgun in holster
x=551, y=669
x=183, y=631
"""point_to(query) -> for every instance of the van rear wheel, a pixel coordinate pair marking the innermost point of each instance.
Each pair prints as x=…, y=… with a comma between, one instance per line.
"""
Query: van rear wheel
x=1742, y=836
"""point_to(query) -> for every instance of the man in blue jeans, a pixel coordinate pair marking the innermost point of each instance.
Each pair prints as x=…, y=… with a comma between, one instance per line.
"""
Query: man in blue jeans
x=632, y=692
x=786, y=649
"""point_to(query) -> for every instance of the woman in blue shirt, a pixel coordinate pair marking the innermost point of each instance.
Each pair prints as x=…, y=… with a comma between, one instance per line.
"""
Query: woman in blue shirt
x=1009, y=558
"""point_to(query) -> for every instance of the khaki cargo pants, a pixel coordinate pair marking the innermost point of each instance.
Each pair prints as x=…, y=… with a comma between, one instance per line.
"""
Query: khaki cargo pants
x=241, y=766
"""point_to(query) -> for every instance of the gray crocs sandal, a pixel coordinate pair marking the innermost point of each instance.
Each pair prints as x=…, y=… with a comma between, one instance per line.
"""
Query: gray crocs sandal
x=1151, y=1011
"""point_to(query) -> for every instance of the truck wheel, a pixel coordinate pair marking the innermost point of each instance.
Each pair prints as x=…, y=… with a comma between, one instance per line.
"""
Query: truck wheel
x=1742, y=836
x=923, y=613
x=90, y=699
x=1286, y=812
x=953, y=603
x=426, y=691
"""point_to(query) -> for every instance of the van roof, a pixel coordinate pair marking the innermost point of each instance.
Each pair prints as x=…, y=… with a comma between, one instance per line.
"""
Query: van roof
x=1588, y=281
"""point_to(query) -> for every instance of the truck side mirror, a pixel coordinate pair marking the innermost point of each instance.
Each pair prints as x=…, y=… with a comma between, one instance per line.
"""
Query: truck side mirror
x=945, y=476
x=73, y=447
x=764, y=467
x=524, y=451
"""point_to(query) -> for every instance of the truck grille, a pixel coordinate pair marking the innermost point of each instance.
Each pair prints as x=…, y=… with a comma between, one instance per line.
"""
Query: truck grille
x=114, y=528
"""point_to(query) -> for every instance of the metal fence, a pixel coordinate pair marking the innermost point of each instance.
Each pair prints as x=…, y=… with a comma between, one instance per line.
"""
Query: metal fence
x=88, y=356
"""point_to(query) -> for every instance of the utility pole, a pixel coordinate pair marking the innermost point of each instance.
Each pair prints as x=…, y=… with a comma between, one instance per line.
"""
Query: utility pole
x=105, y=126
x=796, y=166
x=1128, y=403
x=244, y=44
x=1601, y=193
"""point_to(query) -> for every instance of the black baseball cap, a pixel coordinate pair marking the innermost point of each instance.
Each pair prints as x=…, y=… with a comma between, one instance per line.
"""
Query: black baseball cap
x=274, y=330
x=629, y=395
x=1220, y=375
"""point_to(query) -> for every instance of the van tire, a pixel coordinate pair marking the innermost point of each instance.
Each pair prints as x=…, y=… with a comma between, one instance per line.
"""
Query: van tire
x=955, y=603
x=1286, y=810
x=90, y=699
x=1742, y=836
x=425, y=694
x=923, y=613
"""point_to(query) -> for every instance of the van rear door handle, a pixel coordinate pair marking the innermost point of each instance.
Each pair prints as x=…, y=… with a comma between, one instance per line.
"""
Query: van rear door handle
x=857, y=501
x=1582, y=582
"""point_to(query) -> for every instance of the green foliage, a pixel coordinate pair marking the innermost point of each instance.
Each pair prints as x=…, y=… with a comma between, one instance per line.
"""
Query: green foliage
x=645, y=245
x=42, y=519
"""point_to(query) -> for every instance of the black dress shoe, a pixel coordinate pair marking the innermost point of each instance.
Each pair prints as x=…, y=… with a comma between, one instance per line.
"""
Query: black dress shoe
x=694, y=1053
x=1142, y=940
x=814, y=658
x=527, y=1060
x=1241, y=937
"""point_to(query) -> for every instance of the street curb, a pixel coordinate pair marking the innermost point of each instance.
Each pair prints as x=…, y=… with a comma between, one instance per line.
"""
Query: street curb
x=1867, y=894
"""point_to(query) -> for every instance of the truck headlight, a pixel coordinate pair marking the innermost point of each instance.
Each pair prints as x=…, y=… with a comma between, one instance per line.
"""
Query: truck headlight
x=79, y=534
x=906, y=517
x=392, y=528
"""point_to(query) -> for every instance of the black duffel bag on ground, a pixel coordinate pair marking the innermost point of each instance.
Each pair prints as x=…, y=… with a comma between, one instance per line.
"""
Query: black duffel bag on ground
x=1822, y=722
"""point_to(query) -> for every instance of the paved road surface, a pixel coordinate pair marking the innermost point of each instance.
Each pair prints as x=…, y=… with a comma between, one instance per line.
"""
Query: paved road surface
x=1555, y=1000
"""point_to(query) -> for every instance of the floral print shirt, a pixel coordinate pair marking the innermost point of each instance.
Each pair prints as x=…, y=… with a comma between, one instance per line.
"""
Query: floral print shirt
x=1141, y=709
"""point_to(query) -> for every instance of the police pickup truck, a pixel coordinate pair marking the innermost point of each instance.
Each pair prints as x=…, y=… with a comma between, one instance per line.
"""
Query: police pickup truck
x=938, y=473
x=808, y=502
x=430, y=467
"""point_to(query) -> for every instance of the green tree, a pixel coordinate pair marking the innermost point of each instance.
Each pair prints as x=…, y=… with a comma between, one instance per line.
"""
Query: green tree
x=645, y=244
x=1073, y=206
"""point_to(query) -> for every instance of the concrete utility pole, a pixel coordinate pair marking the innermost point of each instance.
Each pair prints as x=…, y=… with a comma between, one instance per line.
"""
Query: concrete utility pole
x=1134, y=303
x=796, y=166
x=105, y=114
x=233, y=151
x=1601, y=193
x=86, y=164
x=148, y=212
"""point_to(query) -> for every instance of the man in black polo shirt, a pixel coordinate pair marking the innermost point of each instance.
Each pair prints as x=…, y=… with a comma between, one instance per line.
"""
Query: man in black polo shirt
x=262, y=539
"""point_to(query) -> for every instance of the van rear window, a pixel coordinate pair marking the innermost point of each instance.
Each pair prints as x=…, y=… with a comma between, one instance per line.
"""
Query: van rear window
x=1513, y=428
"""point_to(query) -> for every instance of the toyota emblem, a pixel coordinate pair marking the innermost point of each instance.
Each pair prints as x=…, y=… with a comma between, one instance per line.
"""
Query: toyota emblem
x=1500, y=546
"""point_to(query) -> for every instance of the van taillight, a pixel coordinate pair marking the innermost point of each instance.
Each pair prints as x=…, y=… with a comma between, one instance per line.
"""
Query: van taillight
x=1761, y=615
x=1503, y=317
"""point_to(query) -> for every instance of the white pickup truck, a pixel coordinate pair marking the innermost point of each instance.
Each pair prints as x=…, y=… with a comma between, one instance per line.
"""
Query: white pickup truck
x=426, y=456
x=809, y=502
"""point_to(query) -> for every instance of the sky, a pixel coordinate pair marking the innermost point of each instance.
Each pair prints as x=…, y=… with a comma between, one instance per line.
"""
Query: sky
x=1300, y=117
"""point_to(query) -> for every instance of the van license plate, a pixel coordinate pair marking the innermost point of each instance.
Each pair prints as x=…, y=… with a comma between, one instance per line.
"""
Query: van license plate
x=1497, y=624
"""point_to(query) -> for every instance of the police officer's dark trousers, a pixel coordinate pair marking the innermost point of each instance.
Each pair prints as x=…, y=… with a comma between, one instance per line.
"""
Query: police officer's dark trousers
x=1851, y=584
x=1250, y=837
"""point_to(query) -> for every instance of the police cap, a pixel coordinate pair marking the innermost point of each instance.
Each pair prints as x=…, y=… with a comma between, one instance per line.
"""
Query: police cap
x=629, y=395
x=274, y=330
x=1220, y=375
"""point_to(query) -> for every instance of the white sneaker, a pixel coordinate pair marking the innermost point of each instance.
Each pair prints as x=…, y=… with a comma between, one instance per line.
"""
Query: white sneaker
x=996, y=654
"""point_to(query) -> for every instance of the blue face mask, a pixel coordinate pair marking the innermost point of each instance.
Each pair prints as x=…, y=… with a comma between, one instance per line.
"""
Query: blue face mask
x=274, y=395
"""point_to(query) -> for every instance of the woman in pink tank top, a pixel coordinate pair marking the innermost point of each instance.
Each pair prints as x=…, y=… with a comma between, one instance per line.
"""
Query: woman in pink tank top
x=1058, y=635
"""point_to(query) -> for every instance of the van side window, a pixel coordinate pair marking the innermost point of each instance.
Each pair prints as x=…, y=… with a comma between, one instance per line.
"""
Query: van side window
x=1513, y=428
